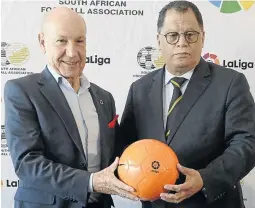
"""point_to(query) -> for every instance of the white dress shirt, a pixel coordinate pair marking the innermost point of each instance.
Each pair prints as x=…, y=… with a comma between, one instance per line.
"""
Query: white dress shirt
x=168, y=90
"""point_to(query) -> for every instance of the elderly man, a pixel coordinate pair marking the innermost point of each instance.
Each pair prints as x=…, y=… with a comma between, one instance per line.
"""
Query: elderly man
x=61, y=128
x=203, y=111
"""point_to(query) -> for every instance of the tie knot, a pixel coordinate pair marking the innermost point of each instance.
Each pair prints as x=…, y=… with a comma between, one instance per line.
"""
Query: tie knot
x=178, y=81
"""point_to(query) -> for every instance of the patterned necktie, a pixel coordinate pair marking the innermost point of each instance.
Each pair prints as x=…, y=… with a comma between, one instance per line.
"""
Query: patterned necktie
x=176, y=98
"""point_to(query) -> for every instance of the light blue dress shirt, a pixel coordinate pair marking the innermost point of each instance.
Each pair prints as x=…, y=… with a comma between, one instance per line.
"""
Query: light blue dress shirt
x=86, y=118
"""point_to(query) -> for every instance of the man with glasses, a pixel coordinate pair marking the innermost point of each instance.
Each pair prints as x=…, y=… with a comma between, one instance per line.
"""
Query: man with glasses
x=203, y=111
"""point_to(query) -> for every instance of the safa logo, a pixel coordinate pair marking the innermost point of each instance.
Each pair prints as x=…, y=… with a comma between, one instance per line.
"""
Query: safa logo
x=227, y=6
x=14, y=53
x=239, y=64
x=150, y=58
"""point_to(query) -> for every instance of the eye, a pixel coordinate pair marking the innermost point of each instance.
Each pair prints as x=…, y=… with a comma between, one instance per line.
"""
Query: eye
x=190, y=34
x=61, y=41
x=173, y=35
x=80, y=41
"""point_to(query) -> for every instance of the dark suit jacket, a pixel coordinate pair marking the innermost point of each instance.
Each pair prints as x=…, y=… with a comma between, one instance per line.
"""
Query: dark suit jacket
x=214, y=132
x=45, y=144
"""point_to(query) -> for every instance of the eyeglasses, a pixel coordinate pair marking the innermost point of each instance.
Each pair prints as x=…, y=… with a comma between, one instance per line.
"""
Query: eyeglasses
x=173, y=37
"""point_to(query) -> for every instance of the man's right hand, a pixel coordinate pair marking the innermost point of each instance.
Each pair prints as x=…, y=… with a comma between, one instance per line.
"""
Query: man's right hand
x=105, y=182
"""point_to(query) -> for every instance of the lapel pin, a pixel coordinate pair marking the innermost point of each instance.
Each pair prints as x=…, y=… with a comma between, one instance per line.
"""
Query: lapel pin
x=101, y=102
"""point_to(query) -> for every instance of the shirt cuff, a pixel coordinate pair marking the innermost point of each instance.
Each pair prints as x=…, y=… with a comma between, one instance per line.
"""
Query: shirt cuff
x=91, y=183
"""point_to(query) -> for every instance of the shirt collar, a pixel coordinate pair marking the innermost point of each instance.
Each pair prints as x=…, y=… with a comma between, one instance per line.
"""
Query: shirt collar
x=85, y=84
x=169, y=76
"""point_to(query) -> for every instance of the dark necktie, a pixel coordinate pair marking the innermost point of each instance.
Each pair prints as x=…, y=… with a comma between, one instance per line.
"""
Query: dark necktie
x=176, y=98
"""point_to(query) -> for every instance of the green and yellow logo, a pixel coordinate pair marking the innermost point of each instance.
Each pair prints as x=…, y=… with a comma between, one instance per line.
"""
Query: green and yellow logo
x=14, y=53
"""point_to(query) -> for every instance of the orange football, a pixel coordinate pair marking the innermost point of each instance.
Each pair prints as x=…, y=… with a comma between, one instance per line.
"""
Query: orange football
x=147, y=165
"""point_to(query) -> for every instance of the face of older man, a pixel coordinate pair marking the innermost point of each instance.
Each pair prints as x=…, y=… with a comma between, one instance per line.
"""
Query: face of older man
x=64, y=42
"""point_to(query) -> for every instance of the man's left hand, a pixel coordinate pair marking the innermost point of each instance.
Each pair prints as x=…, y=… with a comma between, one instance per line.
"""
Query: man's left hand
x=192, y=185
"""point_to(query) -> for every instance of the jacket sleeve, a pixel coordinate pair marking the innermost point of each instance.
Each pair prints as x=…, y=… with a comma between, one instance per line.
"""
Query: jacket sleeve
x=128, y=130
x=117, y=131
x=238, y=159
x=25, y=141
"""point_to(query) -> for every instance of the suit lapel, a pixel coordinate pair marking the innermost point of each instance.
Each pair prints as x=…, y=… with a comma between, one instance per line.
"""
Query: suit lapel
x=52, y=92
x=199, y=81
x=156, y=104
x=99, y=103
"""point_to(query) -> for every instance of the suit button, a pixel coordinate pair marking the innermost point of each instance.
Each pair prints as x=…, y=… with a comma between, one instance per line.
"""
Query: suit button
x=204, y=192
x=83, y=165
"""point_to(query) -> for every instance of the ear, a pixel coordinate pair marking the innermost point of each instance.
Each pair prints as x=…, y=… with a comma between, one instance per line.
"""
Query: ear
x=158, y=40
x=42, y=42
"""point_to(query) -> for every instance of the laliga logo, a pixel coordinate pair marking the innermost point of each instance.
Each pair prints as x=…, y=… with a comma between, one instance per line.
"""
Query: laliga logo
x=98, y=60
x=210, y=57
x=155, y=166
x=10, y=184
x=227, y=6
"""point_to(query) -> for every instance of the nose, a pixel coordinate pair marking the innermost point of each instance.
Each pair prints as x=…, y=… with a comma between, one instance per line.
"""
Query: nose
x=182, y=41
x=71, y=50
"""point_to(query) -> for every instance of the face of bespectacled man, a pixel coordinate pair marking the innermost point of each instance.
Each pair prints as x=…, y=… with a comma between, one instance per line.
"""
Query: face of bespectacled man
x=181, y=40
